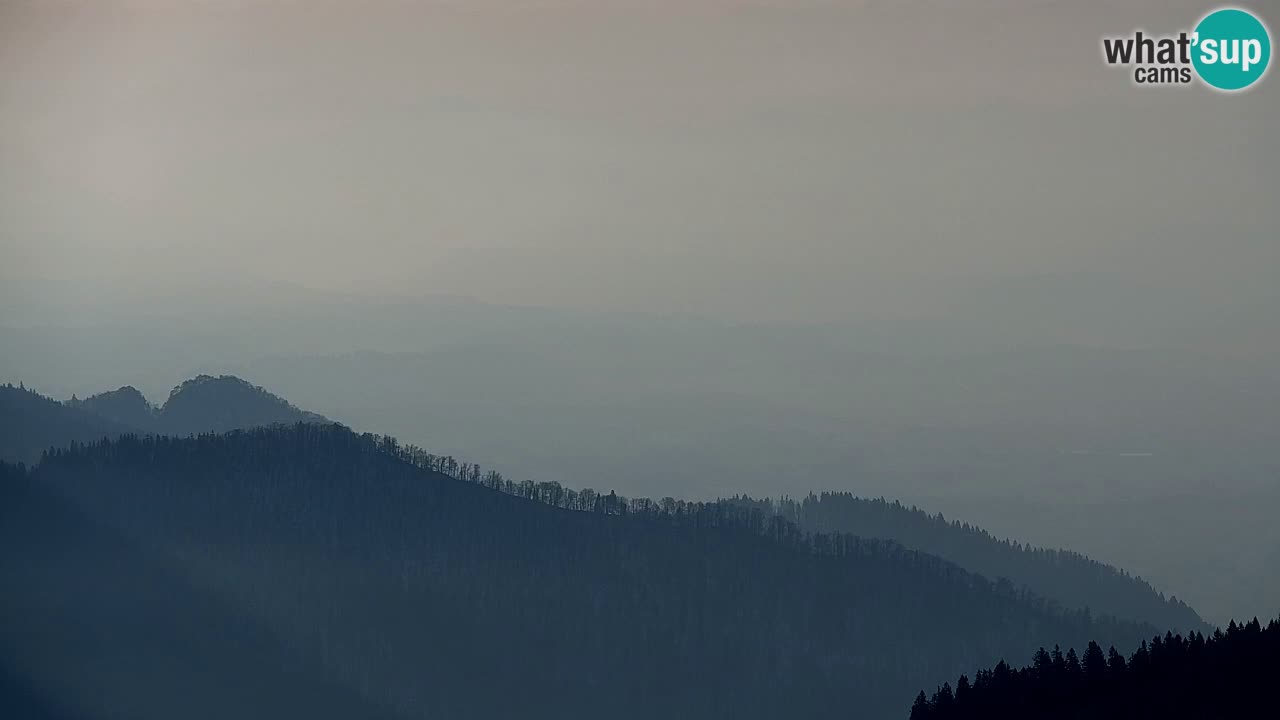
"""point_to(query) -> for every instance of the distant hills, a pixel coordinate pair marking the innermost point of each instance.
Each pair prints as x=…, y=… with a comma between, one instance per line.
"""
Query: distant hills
x=126, y=406
x=33, y=423
x=380, y=580
x=201, y=404
x=308, y=562
x=1070, y=578
x=1037, y=439
x=215, y=404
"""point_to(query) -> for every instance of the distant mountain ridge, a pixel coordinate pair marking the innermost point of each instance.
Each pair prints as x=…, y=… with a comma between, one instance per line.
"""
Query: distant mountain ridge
x=218, y=404
x=126, y=406
x=204, y=403
x=1070, y=578
x=33, y=423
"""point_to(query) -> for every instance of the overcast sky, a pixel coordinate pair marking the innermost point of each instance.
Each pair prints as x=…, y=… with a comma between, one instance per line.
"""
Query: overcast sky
x=789, y=161
x=1013, y=254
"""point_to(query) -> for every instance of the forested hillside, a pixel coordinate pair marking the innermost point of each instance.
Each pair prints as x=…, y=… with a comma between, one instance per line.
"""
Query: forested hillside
x=31, y=423
x=1224, y=676
x=207, y=403
x=97, y=624
x=1067, y=577
x=428, y=594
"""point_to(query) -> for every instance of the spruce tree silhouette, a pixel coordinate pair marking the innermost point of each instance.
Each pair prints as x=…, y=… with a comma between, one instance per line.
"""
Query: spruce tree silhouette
x=1224, y=676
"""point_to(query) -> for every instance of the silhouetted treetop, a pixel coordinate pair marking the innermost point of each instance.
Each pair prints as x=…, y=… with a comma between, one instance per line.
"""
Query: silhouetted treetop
x=1224, y=675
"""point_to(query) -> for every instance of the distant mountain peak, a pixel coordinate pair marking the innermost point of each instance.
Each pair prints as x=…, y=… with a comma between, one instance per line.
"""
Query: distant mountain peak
x=207, y=403
x=31, y=423
x=125, y=405
x=205, y=379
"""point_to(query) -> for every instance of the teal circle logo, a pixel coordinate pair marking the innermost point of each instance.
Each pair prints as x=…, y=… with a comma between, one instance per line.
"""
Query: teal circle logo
x=1232, y=49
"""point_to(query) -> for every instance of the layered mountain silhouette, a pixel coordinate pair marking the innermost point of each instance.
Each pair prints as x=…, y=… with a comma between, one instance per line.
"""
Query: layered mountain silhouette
x=31, y=423
x=34, y=423
x=201, y=404
x=209, y=404
x=342, y=571
x=1068, y=577
x=126, y=406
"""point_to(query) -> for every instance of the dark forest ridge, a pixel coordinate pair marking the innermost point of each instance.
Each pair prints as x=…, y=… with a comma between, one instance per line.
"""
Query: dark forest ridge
x=424, y=591
x=1073, y=579
x=207, y=403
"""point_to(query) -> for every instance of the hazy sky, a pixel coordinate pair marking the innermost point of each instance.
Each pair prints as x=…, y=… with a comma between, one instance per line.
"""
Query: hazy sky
x=751, y=160
x=1036, y=257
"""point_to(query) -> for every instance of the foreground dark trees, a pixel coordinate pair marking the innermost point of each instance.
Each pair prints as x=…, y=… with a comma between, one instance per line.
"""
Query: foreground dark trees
x=1225, y=675
x=339, y=565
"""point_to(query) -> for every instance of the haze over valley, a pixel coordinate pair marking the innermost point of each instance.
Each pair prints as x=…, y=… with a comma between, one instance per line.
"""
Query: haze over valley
x=1062, y=445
